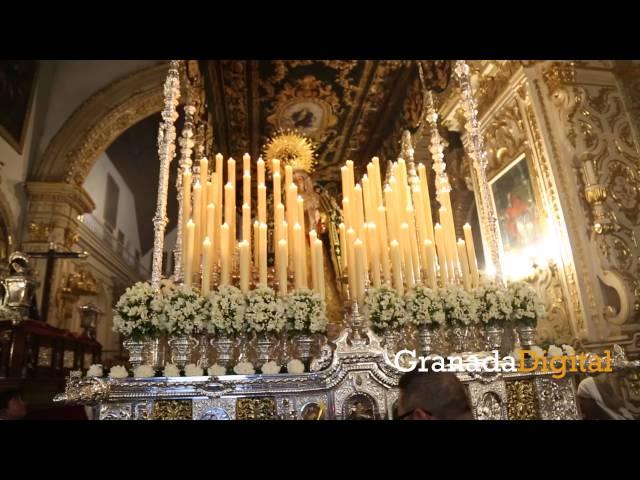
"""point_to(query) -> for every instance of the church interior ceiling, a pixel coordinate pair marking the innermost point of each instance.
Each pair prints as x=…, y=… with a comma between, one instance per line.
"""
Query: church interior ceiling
x=350, y=109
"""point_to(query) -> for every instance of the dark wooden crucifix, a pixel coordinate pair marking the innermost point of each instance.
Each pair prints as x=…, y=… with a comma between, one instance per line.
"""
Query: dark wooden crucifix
x=51, y=255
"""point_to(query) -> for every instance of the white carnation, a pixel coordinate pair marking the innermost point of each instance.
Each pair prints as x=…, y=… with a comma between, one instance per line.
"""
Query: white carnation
x=193, y=370
x=568, y=350
x=217, y=370
x=554, y=351
x=244, y=368
x=295, y=366
x=95, y=370
x=118, y=371
x=170, y=370
x=144, y=371
x=537, y=350
x=270, y=368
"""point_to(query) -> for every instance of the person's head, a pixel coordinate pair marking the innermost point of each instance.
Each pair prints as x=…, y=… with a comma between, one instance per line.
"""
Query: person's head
x=432, y=396
x=11, y=405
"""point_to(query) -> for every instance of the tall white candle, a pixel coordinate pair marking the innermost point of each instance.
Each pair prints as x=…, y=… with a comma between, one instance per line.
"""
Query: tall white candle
x=244, y=266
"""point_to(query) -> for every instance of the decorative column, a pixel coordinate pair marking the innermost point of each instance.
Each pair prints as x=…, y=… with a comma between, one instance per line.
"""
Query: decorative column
x=186, y=148
x=166, y=151
x=479, y=157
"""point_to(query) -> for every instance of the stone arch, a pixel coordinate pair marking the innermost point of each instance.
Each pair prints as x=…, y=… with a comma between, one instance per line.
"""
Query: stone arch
x=97, y=122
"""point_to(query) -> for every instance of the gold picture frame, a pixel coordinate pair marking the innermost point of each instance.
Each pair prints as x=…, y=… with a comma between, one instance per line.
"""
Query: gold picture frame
x=520, y=213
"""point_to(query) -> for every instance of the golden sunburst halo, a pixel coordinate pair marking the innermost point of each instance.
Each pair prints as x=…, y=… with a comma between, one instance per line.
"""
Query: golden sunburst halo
x=291, y=148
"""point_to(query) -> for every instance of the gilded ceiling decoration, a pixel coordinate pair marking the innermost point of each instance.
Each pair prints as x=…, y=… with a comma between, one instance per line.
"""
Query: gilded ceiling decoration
x=348, y=109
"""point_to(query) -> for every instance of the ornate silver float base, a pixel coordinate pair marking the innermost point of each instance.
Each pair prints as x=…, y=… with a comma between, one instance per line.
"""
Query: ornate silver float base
x=203, y=359
x=154, y=352
x=426, y=340
x=304, y=344
x=527, y=336
x=264, y=347
x=391, y=340
x=224, y=350
x=494, y=337
x=459, y=339
x=135, y=349
x=181, y=349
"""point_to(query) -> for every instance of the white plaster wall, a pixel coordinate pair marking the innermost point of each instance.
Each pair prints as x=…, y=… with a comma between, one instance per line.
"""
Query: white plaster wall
x=14, y=173
x=96, y=186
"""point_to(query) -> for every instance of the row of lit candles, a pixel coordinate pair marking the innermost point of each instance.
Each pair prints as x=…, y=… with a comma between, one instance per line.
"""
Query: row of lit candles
x=388, y=234
x=209, y=240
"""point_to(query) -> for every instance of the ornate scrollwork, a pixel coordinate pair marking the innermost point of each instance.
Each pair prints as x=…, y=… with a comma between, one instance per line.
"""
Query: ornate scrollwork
x=263, y=408
x=521, y=400
x=556, y=399
x=171, y=410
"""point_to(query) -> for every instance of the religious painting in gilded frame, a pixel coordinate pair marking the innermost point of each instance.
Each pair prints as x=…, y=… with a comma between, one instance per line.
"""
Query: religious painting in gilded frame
x=17, y=86
x=519, y=210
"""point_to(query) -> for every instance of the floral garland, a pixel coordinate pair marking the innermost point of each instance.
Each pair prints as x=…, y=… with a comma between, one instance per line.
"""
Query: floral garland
x=138, y=312
x=460, y=307
x=424, y=307
x=527, y=306
x=225, y=310
x=304, y=311
x=386, y=309
x=183, y=312
x=264, y=312
x=494, y=303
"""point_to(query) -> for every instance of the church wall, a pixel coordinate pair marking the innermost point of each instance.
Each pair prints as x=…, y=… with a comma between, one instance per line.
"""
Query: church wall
x=13, y=175
x=126, y=220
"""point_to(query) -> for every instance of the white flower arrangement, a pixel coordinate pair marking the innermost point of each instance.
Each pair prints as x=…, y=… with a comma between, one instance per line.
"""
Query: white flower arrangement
x=144, y=371
x=423, y=307
x=118, y=371
x=554, y=351
x=295, y=366
x=184, y=312
x=95, y=370
x=138, y=312
x=171, y=370
x=217, y=370
x=244, y=368
x=270, y=368
x=568, y=350
x=225, y=311
x=193, y=370
x=305, y=312
x=460, y=307
x=265, y=312
x=386, y=309
x=527, y=307
x=494, y=303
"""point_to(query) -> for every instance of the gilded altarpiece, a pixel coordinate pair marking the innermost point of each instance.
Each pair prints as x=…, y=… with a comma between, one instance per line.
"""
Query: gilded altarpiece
x=595, y=106
x=576, y=124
